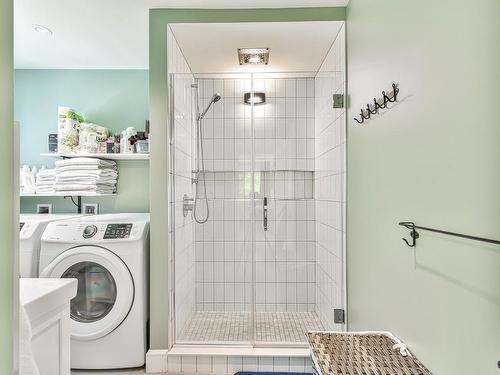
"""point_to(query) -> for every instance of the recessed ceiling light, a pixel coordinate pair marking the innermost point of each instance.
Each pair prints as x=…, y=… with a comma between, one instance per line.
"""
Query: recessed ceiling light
x=253, y=56
x=256, y=98
x=42, y=29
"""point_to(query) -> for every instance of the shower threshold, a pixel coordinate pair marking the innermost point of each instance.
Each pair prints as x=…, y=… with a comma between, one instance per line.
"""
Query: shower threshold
x=271, y=329
x=238, y=351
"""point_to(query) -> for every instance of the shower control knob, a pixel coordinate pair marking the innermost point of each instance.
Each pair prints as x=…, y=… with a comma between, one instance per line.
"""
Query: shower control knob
x=89, y=231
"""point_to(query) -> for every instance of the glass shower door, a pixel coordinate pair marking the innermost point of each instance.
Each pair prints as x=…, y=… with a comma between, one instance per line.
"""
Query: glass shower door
x=284, y=230
x=255, y=273
x=222, y=247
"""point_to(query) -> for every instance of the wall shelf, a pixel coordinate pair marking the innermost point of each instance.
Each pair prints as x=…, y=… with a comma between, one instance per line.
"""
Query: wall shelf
x=69, y=194
x=99, y=156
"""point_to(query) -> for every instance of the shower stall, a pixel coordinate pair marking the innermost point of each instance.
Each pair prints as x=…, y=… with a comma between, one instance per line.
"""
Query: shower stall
x=257, y=171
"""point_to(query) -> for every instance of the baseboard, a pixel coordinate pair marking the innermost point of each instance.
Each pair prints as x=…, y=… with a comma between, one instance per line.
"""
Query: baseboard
x=156, y=361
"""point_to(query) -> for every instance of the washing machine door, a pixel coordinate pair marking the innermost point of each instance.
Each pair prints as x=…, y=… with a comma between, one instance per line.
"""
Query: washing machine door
x=105, y=291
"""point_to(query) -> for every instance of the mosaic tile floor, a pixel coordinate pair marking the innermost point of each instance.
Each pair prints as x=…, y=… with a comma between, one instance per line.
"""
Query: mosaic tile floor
x=231, y=326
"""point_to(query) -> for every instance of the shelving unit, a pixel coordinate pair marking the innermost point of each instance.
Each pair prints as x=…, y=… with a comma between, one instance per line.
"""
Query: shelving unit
x=68, y=194
x=99, y=156
x=78, y=195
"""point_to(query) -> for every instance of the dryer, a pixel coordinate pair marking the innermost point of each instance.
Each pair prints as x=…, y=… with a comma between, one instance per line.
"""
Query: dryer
x=31, y=227
x=108, y=255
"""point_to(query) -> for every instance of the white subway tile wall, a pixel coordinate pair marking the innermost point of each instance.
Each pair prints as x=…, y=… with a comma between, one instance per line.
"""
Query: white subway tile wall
x=282, y=146
x=182, y=228
x=329, y=184
x=282, y=137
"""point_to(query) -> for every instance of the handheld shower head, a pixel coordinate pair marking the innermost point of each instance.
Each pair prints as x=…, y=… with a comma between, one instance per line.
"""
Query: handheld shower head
x=215, y=98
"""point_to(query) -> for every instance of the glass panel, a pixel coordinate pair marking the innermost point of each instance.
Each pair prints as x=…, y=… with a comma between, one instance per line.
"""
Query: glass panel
x=96, y=293
x=182, y=227
x=284, y=209
x=213, y=259
x=239, y=279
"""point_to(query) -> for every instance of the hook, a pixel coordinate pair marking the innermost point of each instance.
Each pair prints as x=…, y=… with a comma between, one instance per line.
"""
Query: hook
x=375, y=109
x=365, y=114
x=395, y=92
x=413, y=233
x=378, y=106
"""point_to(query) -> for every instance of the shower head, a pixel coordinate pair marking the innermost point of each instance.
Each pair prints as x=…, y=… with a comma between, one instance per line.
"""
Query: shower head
x=215, y=98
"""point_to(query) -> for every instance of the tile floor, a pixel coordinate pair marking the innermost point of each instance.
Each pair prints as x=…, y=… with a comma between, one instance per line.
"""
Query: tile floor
x=231, y=326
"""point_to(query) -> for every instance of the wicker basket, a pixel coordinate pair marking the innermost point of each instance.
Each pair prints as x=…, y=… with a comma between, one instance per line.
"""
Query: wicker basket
x=367, y=353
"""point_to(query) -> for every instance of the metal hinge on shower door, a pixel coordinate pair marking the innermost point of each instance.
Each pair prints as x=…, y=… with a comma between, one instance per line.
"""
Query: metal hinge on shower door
x=339, y=316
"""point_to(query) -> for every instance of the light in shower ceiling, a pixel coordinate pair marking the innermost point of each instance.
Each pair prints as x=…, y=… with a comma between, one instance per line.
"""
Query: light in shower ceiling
x=256, y=98
x=253, y=56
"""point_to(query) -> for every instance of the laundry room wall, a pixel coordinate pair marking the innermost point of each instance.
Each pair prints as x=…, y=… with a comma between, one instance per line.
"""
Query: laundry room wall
x=8, y=298
x=115, y=99
x=432, y=158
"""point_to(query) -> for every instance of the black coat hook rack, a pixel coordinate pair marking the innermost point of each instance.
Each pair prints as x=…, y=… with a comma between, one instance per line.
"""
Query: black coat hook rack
x=381, y=103
x=414, y=234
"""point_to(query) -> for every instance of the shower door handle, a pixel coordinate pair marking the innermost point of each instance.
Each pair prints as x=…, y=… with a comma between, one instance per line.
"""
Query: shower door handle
x=264, y=209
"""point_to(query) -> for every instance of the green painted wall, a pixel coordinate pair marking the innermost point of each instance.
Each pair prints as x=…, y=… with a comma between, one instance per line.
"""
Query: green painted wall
x=112, y=98
x=7, y=228
x=158, y=95
x=433, y=158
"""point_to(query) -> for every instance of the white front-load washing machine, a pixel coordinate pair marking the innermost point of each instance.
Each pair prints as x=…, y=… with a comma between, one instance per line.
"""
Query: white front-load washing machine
x=108, y=255
x=31, y=227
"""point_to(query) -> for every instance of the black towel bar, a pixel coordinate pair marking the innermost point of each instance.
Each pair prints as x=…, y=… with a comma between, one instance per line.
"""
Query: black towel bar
x=414, y=234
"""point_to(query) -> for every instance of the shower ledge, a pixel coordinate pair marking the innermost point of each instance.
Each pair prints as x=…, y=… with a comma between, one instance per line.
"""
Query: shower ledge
x=239, y=351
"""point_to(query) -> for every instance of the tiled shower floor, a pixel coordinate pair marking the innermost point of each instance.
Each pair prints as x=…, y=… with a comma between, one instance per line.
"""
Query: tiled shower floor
x=231, y=326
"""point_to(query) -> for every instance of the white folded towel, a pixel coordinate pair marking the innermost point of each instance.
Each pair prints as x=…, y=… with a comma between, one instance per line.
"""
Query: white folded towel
x=46, y=176
x=84, y=168
x=85, y=173
x=85, y=161
x=44, y=188
x=45, y=180
x=87, y=181
x=44, y=183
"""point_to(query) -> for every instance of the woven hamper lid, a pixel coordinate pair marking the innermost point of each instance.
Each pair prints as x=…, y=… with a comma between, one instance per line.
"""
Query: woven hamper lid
x=361, y=354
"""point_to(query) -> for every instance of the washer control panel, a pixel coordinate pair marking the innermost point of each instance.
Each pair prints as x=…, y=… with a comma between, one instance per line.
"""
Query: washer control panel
x=117, y=231
x=79, y=231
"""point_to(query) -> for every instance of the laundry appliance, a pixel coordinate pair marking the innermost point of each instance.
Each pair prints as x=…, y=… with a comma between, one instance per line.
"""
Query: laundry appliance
x=108, y=255
x=31, y=227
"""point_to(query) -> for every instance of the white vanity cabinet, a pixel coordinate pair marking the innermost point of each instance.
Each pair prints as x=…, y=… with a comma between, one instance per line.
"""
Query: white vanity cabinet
x=47, y=304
